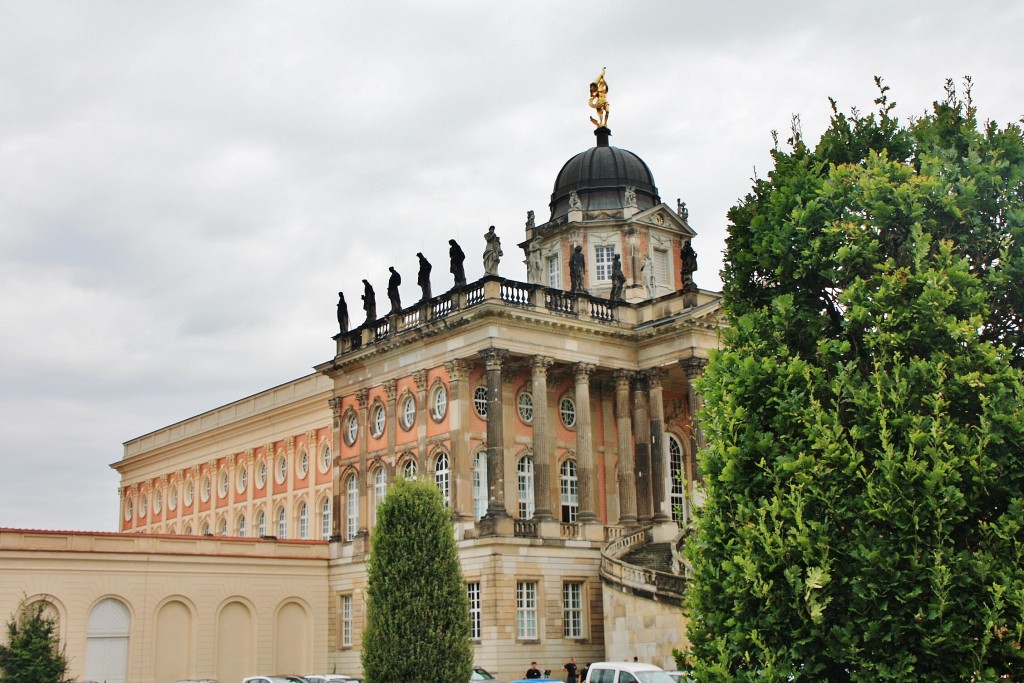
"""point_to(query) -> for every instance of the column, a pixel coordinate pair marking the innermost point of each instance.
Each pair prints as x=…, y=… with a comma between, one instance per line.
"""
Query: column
x=542, y=451
x=694, y=368
x=585, y=444
x=493, y=359
x=657, y=406
x=422, y=416
x=390, y=393
x=642, y=445
x=336, y=492
x=626, y=471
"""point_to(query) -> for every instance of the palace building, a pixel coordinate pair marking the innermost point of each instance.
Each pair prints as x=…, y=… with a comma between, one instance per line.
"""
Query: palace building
x=556, y=416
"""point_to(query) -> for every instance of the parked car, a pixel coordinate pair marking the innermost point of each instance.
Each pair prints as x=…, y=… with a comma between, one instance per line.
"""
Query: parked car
x=286, y=678
x=538, y=680
x=481, y=674
x=198, y=680
x=681, y=676
x=627, y=672
x=331, y=678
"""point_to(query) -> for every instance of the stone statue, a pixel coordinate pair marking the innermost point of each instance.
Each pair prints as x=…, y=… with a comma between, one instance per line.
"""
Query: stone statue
x=574, y=201
x=342, y=313
x=492, y=252
x=576, y=268
x=369, y=303
x=423, y=277
x=647, y=272
x=689, y=258
x=618, y=279
x=681, y=209
x=534, y=264
x=631, y=196
x=393, y=283
x=599, y=100
x=458, y=258
x=530, y=225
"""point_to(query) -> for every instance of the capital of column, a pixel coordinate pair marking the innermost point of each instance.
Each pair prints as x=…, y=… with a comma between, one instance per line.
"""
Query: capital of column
x=655, y=376
x=540, y=364
x=693, y=366
x=420, y=377
x=363, y=398
x=458, y=370
x=195, y=470
x=623, y=379
x=335, y=404
x=163, y=480
x=390, y=389
x=493, y=358
x=582, y=371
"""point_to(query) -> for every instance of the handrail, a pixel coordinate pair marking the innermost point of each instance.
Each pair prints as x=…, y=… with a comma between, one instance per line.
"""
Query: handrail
x=642, y=580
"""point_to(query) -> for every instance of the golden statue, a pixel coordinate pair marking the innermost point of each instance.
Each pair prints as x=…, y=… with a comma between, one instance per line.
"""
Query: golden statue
x=599, y=99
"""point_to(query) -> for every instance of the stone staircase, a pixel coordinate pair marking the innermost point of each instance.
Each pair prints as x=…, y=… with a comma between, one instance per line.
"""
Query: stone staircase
x=656, y=556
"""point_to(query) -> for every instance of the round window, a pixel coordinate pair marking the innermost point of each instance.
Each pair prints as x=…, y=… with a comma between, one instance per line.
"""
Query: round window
x=525, y=406
x=243, y=478
x=282, y=468
x=189, y=492
x=480, y=401
x=223, y=484
x=128, y=509
x=408, y=412
x=567, y=409
x=142, y=506
x=303, y=464
x=438, y=402
x=172, y=499
x=378, y=420
x=351, y=428
x=158, y=501
x=261, y=473
x=325, y=458
x=205, y=488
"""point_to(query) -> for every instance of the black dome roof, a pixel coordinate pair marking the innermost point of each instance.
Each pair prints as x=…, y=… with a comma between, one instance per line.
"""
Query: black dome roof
x=600, y=177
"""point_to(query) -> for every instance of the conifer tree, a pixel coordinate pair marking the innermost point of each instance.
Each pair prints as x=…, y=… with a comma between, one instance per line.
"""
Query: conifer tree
x=32, y=653
x=864, y=518
x=418, y=621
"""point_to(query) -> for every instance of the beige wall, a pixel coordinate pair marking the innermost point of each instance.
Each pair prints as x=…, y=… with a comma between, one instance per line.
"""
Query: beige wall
x=196, y=607
x=639, y=627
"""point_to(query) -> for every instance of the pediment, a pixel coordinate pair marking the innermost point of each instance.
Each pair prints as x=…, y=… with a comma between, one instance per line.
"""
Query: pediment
x=662, y=217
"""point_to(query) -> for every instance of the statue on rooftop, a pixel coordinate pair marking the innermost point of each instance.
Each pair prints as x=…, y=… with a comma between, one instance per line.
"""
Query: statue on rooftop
x=647, y=273
x=393, y=283
x=369, y=303
x=689, y=258
x=534, y=264
x=681, y=209
x=530, y=222
x=342, y=313
x=423, y=277
x=599, y=100
x=576, y=268
x=618, y=279
x=458, y=258
x=492, y=252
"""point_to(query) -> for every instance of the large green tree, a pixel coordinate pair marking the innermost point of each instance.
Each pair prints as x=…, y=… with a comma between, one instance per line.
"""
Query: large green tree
x=418, y=622
x=32, y=653
x=865, y=473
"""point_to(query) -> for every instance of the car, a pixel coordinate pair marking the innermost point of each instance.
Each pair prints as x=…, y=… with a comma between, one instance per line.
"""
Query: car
x=285, y=678
x=481, y=674
x=538, y=680
x=681, y=676
x=197, y=680
x=331, y=678
x=627, y=672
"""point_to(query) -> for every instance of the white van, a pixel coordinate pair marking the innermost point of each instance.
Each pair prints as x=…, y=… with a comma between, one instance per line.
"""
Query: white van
x=626, y=672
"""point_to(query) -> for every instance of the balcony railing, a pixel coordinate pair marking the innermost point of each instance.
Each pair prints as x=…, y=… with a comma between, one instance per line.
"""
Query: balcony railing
x=663, y=586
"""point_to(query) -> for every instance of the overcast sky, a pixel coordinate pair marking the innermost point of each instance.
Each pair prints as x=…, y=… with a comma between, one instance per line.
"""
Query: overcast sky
x=185, y=186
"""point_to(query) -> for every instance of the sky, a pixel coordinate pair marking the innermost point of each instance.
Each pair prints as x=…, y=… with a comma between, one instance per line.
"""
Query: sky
x=185, y=186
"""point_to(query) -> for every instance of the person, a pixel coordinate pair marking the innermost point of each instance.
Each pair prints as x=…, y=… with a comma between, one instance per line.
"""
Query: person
x=533, y=671
x=423, y=277
x=689, y=259
x=393, y=283
x=342, y=313
x=369, y=303
x=584, y=671
x=492, y=252
x=618, y=279
x=570, y=670
x=576, y=268
x=457, y=257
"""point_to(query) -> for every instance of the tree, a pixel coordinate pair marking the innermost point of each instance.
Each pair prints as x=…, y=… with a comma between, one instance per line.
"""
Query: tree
x=864, y=518
x=33, y=653
x=418, y=624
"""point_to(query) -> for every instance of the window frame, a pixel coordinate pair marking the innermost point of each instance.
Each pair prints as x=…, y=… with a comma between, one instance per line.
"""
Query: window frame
x=442, y=477
x=572, y=610
x=526, y=484
x=526, y=610
x=407, y=412
x=350, y=433
x=567, y=411
x=480, y=401
x=438, y=401
x=351, y=506
x=378, y=420
x=569, y=491
x=475, y=611
x=480, y=489
x=604, y=256
x=525, y=406
x=346, y=620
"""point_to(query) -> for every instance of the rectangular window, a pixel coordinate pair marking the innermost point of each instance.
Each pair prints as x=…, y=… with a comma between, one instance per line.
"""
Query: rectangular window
x=572, y=609
x=603, y=262
x=474, y=610
x=554, y=272
x=346, y=621
x=661, y=266
x=526, y=610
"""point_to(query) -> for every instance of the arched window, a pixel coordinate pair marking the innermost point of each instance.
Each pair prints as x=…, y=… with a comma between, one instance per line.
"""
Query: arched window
x=524, y=472
x=222, y=527
x=677, y=485
x=243, y=526
x=441, y=476
x=325, y=518
x=409, y=469
x=303, y=520
x=352, y=509
x=480, y=485
x=204, y=530
x=282, y=522
x=380, y=489
x=569, y=488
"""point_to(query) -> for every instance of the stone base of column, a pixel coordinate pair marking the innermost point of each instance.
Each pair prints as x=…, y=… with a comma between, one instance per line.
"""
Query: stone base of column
x=549, y=528
x=664, y=532
x=629, y=521
x=496, y=525
x=592, y=531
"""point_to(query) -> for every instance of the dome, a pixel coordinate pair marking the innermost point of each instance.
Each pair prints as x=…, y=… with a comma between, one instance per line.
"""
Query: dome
x=600, y=177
